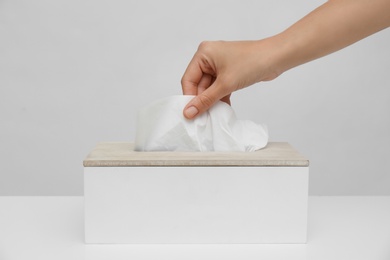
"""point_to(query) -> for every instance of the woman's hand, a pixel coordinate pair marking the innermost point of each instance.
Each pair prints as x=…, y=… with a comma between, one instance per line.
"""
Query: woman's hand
x=219, y=68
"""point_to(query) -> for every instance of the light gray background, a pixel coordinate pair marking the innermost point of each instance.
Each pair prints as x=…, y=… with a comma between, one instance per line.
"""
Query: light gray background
x=73, y=73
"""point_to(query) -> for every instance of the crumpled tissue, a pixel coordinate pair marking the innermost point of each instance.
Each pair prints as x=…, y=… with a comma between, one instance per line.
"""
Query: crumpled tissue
x=161, y=126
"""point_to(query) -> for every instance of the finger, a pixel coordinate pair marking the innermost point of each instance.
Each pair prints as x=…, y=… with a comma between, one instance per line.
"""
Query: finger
x=191, y=78
x=204, y=101
x=226, y=99
x=204, y=83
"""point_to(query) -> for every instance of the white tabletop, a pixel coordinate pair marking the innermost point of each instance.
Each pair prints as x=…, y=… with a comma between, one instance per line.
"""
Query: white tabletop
x=52, y=228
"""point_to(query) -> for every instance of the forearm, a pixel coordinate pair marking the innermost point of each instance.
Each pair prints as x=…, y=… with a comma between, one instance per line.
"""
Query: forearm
x=332, y=26
x=220, y=68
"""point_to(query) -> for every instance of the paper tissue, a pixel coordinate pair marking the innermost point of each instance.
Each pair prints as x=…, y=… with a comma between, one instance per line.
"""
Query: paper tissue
x=161, y=126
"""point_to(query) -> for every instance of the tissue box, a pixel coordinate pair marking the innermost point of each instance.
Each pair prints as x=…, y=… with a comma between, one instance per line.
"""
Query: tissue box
x=195, y=197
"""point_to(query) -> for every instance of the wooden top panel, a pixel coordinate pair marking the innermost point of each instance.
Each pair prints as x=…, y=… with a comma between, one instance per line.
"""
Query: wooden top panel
x=119, y=154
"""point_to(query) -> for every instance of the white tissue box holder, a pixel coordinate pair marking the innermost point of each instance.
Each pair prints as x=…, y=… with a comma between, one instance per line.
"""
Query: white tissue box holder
x=195, y=197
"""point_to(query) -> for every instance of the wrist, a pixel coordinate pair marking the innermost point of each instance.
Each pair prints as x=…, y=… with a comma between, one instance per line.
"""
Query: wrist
x=273, y=57
x=281, y=54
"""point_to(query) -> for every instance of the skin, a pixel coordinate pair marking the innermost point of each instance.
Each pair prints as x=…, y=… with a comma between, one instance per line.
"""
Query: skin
x=219, y=68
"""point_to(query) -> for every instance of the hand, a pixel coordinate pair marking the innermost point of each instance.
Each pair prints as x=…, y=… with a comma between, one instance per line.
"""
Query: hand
x=219, y=68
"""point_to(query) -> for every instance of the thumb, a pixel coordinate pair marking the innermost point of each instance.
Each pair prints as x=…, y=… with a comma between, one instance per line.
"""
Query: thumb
x=202, y=102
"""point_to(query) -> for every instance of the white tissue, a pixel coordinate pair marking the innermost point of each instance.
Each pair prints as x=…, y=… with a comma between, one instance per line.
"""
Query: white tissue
x=161, y=126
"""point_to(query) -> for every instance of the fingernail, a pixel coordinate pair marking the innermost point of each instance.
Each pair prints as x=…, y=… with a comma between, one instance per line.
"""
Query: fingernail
x=191, y=112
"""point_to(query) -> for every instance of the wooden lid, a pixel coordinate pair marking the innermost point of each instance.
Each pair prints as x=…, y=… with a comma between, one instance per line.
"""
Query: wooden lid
x=123, y=154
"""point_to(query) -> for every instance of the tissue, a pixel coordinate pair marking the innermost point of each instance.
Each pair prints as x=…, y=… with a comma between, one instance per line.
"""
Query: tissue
x=161, y=126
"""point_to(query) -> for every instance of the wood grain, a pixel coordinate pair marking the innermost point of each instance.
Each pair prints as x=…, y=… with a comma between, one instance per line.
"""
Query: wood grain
x=119, y=154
